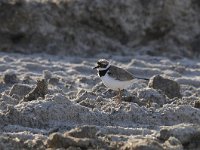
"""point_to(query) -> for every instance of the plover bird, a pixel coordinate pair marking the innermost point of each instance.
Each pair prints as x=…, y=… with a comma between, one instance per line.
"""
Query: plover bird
x=114, y=77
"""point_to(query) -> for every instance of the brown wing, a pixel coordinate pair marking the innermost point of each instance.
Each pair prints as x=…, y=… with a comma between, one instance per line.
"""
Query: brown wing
x=119, y=73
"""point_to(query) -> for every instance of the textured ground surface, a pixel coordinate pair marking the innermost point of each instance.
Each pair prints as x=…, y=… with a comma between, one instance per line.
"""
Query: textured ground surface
x=77, y=111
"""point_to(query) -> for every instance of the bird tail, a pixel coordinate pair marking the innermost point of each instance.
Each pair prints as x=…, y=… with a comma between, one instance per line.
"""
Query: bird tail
x=142, y=78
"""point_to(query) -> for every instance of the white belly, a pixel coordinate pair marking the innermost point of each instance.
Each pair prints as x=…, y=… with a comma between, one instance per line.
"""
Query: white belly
x=115, y=84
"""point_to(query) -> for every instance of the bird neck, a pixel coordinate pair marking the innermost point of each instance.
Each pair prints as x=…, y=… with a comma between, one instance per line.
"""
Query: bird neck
x=103, y=72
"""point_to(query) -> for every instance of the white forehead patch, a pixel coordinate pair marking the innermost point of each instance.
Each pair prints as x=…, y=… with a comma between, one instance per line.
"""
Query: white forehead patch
x=103, y=61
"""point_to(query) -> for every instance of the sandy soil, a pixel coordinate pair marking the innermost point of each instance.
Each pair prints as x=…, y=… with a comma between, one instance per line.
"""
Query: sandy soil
x=78, y=109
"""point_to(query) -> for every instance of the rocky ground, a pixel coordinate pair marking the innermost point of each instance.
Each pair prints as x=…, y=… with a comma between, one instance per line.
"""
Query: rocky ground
x=60, y=102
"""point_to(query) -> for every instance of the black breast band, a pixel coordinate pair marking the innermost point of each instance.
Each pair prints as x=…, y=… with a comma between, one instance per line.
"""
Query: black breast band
x=103, y=72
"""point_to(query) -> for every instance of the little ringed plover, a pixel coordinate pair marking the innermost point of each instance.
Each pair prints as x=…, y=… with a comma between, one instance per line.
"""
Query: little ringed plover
x=114, y=77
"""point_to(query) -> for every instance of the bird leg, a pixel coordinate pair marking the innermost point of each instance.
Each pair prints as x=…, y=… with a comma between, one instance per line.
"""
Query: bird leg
x=119, y=97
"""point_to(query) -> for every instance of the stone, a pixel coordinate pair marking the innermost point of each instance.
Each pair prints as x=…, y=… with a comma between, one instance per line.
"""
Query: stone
x=149, y=95
x=169, y=87
x=173, y=144
x=39, y=91
x=17, y=142
x=142, y=144
x=57, y=140
x=10, y=77
x=197, y=104
x=83, y=132
x=187, y=134
x=20, y=90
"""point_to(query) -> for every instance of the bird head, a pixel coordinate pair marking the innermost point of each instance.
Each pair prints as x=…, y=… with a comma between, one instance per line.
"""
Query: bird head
x=102, y=64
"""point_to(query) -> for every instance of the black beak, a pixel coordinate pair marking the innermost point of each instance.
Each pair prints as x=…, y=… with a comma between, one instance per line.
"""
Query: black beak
x=96, y=67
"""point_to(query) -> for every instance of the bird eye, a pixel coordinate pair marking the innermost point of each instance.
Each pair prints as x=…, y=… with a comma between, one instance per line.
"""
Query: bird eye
x=104, y=65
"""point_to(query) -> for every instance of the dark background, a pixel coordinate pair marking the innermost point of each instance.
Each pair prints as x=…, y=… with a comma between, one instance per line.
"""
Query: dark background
x=88, y=27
